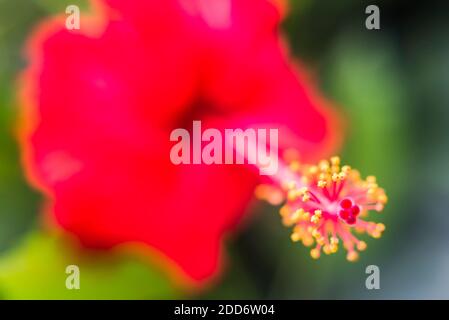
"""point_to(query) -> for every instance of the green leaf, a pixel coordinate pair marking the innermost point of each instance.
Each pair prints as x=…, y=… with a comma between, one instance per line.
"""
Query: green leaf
x=58, y=6
x=37, y=270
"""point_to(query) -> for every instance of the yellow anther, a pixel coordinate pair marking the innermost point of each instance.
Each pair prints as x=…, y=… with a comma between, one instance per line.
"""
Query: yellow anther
x=352, y=256
x=315, y=253
x=295, y=166
x=303, y=190
x=287, y=222
x=292, y=195
x=284, y=211
x=291, y=185
x=323, y=163
x=305, y=216
x=295, y=237
x=316, y=233
x=346, y=169
x=371, y=179
x=307, y=241
x=323, y=176
x=382, y=198
x=327, y=249
x=335, y=161
x=376, y=234
x=322, y=184
x=305, y=180
x=334, y=240
x=305, y=197
x=299, y=230
x=342, y=175
x=315, y=219
x=335, y=169
x=380, y=227
x=361, y=245
x=335, y=177
x=313, y=170
x=295, y=216
x=355, y=174
x=374, y=186
x=320, y=241
x=333, y=247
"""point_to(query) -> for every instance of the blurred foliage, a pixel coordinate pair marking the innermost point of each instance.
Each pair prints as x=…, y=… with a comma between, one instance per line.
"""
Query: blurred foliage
x=37, y=270
x=18, y=203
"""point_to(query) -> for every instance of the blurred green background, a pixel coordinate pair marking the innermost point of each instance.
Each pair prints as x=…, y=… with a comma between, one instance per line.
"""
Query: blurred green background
x=393, y=86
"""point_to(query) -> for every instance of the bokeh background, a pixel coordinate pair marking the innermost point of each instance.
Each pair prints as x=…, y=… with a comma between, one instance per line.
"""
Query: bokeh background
x=393, y=87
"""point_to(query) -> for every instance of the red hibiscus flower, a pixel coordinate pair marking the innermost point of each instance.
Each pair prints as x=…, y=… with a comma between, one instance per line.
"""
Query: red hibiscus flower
x=99, y=105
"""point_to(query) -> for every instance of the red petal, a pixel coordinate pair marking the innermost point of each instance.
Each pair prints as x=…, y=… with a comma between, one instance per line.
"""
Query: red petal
x=99, y=111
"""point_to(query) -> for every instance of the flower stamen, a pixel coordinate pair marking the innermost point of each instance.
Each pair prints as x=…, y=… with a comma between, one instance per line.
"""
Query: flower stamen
x=325, y=203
